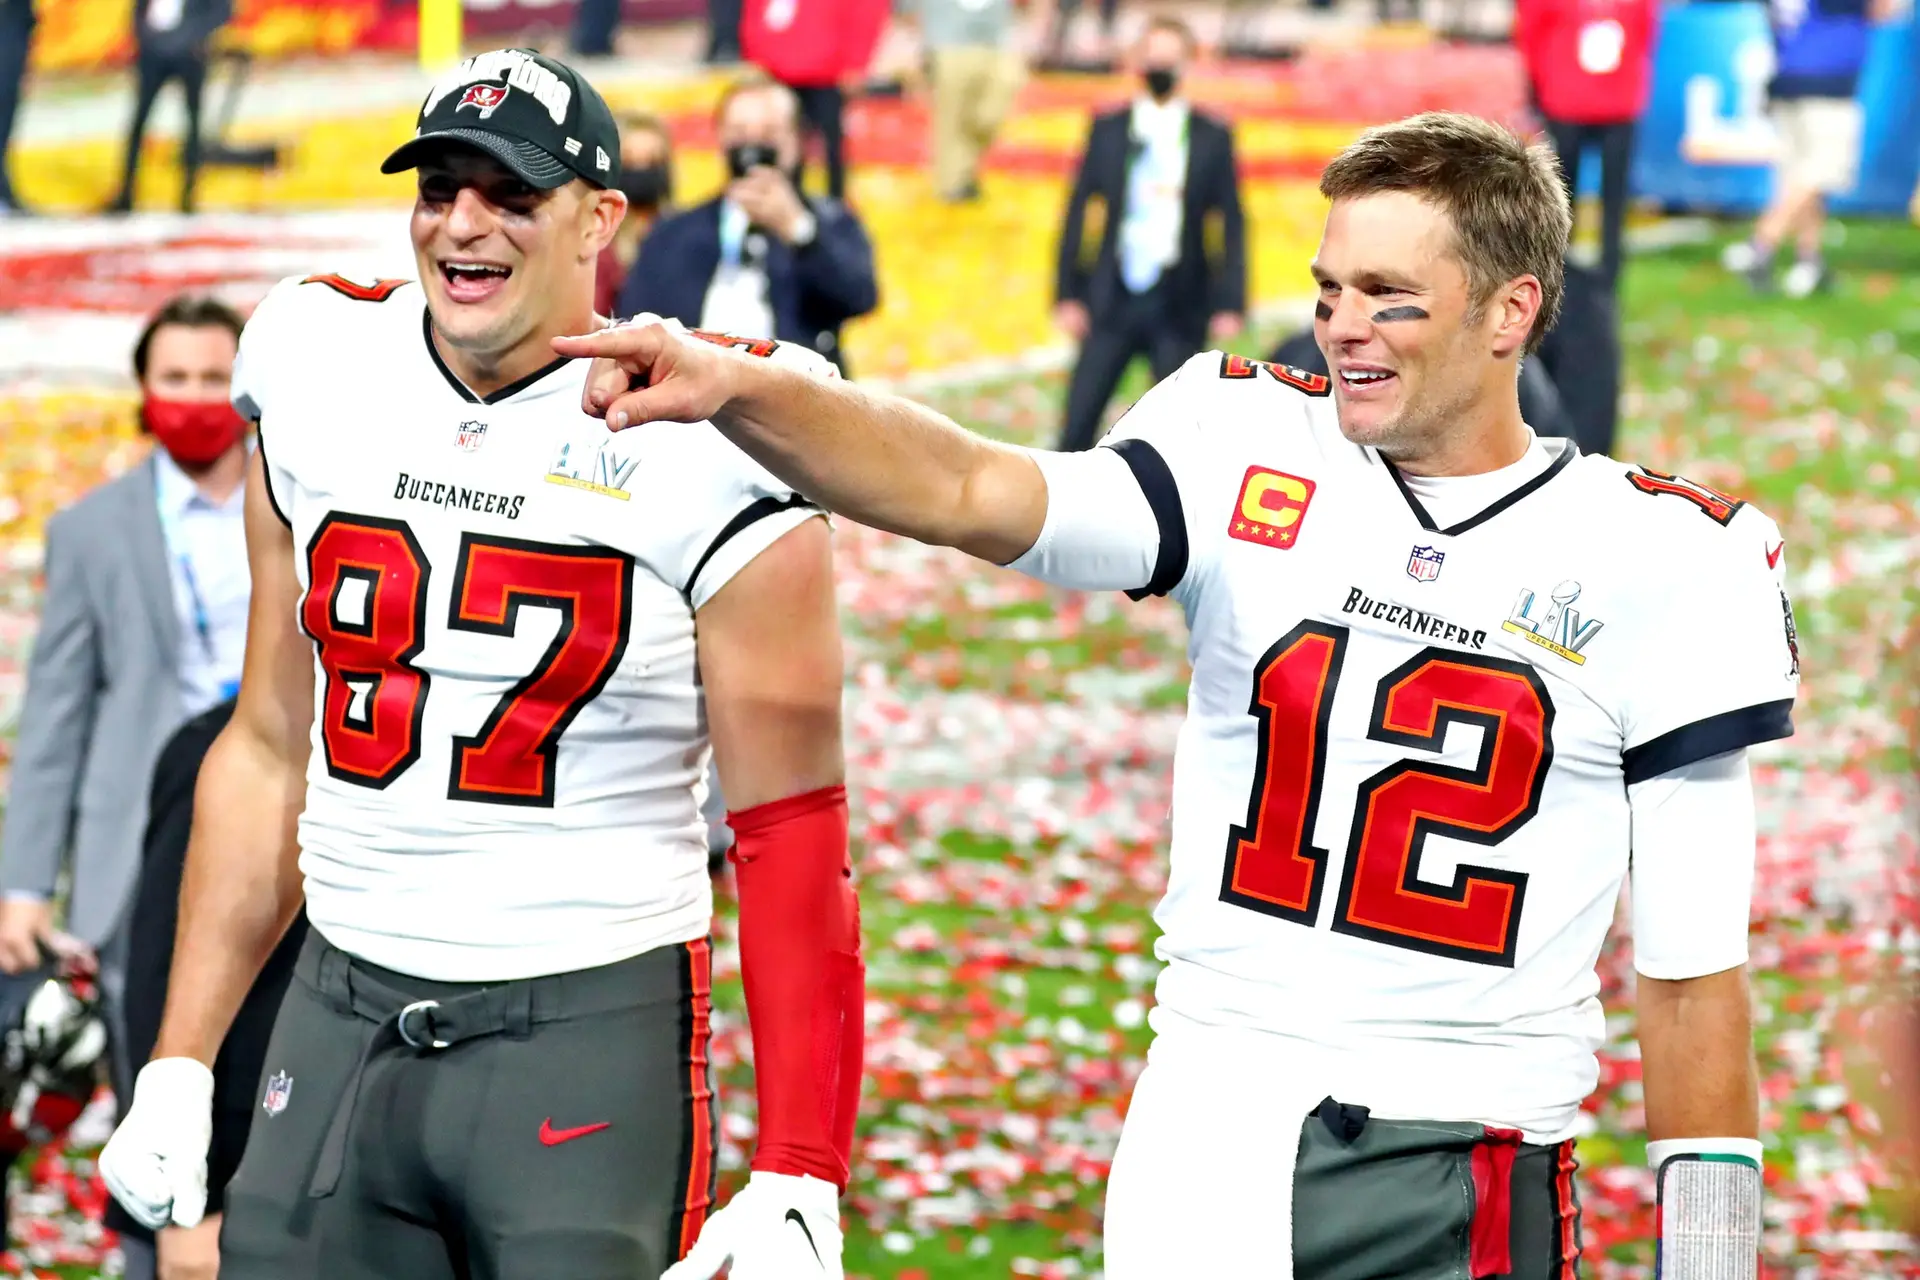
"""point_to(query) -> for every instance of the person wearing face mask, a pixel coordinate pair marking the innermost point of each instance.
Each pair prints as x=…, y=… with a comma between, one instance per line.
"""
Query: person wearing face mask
x=142, y=625
x=1153, y=257
x=646, y=179
x=762, y=259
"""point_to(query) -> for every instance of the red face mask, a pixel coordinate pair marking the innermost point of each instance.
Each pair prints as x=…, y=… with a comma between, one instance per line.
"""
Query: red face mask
x=194, y=432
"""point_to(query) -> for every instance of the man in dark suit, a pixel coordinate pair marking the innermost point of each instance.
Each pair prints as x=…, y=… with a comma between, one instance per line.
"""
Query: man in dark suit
x=1153, y=256
x=762, y=259
x=16, y=37
x=192, y=1253
x=172, y=36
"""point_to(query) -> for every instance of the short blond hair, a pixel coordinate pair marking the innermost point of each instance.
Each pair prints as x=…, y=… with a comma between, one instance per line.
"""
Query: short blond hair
x=1505, y=198
x=1175, y=25
x=755, y=81
x=640, y=121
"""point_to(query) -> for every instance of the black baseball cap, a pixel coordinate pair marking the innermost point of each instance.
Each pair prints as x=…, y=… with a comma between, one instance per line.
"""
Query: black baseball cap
x=538, y=117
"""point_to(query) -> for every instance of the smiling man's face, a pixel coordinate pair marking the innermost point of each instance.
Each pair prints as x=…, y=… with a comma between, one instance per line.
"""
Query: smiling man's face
x=1396, y=322
x=494, y=253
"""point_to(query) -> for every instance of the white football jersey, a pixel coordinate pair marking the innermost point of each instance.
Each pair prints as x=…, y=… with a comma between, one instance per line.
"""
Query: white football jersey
x=509, y=739
x=1400, y=813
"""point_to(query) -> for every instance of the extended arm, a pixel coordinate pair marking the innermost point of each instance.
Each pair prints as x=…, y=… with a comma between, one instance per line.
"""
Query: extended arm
x=1076, y=519
x=888, y=462
x=881, y=459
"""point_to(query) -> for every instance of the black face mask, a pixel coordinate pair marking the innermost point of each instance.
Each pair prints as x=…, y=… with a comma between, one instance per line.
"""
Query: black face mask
x=750, y=155
x=1160, y=82
x=646, y=188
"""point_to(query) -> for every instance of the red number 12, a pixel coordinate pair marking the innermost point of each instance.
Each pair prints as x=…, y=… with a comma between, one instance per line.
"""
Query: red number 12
x=1272, y=866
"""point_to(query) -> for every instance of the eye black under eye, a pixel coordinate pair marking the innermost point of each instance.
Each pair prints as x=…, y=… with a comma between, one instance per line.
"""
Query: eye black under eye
x=518, y=197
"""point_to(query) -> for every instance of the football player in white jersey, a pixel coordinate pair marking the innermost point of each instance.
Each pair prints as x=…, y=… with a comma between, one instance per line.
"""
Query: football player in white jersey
x=1452, y=683
x=490, y=645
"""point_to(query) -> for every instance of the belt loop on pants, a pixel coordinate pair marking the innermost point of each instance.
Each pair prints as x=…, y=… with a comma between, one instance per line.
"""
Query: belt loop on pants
x=331, y=980
x=517, y=1017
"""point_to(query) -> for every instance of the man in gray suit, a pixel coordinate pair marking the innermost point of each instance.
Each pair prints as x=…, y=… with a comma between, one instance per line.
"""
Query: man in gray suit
x=143, y=624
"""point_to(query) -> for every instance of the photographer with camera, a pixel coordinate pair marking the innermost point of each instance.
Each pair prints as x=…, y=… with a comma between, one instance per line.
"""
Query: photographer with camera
x=763, y=259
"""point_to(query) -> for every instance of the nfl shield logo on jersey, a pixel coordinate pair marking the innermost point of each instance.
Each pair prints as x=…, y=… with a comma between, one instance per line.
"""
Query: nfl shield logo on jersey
x=279, y=1089
x=1424, y=564
x=470, y=435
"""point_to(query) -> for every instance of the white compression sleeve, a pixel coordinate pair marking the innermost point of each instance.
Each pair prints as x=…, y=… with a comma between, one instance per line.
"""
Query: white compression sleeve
x=1100, y=533
x=1693, y=850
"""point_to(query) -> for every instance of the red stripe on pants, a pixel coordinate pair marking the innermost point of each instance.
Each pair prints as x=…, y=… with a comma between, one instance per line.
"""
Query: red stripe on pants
x=1490, y=1234
x=700, y=1165
x=1565, y=1213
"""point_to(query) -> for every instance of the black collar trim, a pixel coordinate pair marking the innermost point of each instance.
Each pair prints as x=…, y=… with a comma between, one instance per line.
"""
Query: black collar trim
x=507, y=392
x=1569, y=451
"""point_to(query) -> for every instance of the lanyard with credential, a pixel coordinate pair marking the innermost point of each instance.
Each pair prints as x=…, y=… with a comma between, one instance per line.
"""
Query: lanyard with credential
x=733, y=234
x=202, y=623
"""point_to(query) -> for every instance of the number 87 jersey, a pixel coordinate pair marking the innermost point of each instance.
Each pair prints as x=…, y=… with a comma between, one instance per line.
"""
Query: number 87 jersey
x=509, y=742
x=1402, y=811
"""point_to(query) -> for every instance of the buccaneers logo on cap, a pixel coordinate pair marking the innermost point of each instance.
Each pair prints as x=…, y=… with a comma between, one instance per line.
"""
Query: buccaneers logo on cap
x=487, y=97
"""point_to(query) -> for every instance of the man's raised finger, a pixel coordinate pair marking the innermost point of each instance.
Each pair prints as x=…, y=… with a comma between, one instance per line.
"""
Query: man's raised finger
x=627, y=342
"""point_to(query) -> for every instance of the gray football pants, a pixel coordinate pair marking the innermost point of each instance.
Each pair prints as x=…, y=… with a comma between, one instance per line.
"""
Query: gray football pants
x=415, y=1130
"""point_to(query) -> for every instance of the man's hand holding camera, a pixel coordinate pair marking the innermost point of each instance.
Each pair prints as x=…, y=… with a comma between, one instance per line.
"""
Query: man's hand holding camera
x=765, y=193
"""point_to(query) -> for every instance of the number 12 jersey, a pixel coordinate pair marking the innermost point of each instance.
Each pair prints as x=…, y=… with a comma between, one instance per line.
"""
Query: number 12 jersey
x=1401, y=812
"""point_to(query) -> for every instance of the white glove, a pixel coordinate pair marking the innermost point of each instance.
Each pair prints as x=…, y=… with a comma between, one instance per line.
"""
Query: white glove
x=155, y=1164
x=780, y=1227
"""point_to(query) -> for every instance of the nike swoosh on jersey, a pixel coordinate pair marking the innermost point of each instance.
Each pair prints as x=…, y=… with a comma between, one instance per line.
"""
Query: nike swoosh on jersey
x=552, y=1137
x=1773, y=556
x=793, y=1216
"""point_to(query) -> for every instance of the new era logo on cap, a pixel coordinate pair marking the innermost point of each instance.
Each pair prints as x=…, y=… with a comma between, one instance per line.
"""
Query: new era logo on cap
x=536, y=116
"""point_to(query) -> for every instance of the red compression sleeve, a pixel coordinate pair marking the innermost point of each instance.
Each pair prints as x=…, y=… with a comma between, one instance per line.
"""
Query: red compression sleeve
x=806, y=985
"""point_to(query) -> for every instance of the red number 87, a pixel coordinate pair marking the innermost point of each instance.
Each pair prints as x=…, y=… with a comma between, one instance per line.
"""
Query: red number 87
x=366, y=610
